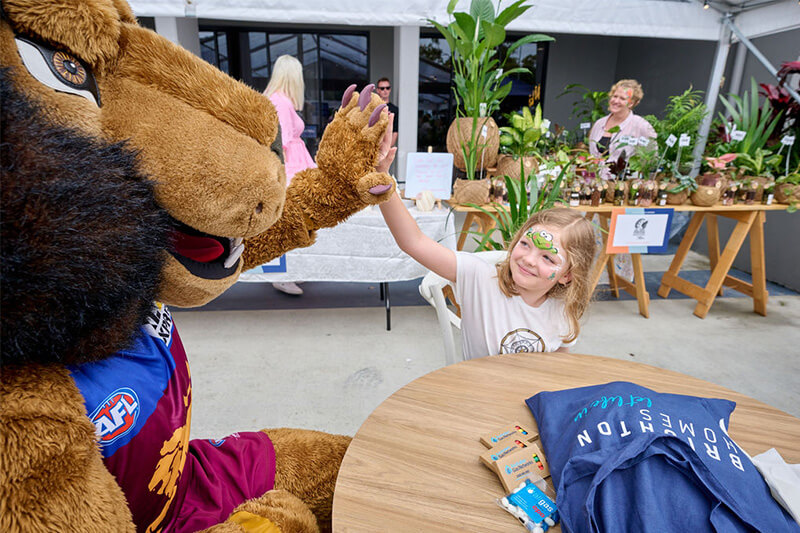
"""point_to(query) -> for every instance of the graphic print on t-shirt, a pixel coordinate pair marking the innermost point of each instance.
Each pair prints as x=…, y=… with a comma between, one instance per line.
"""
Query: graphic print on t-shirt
x=522, y=340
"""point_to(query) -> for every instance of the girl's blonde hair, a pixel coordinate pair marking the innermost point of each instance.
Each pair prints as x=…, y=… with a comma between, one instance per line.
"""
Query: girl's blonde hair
x=578, y=241
x=636, y=95
x=287, y=77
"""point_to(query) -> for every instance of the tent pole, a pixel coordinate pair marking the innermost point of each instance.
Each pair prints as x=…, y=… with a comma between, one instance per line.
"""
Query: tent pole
x=718, y=69
x=756, y=52
x=738, y=69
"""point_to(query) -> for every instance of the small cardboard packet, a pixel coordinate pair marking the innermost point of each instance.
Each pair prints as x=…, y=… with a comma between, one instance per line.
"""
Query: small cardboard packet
x=492, y=455
x=508, y=435
x=528, y=462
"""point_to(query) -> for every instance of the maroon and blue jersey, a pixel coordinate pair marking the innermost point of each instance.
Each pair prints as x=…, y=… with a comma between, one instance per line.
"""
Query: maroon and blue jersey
x=140, y=401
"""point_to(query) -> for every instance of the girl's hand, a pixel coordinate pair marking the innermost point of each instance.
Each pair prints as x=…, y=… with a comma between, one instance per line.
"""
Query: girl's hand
x=386, y=151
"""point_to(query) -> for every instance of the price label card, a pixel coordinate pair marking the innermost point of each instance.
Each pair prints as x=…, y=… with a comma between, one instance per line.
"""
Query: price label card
x=644, y=141
x=625, y=139
x=482, y=109
x=671, y=140
x=546, y=123
x=738, y=135
x=484, y=131
x=684, y=140
x=788, y=140
x=586, y=125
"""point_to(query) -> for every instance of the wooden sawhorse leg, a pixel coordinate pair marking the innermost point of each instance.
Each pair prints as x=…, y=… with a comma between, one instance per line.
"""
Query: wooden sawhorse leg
x=751, y=223
x=606, y=261
x=484, y=222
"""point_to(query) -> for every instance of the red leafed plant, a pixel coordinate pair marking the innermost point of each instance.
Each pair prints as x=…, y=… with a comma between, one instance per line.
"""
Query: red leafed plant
x=781, y=101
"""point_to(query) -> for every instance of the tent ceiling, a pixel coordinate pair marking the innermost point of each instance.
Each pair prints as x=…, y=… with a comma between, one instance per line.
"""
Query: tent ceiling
x=677, y=19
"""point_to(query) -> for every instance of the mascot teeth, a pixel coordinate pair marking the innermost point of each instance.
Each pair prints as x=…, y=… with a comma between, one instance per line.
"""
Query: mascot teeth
x=237, y=247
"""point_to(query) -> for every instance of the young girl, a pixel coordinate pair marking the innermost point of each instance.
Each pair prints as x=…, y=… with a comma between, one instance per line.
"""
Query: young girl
x=529, y=302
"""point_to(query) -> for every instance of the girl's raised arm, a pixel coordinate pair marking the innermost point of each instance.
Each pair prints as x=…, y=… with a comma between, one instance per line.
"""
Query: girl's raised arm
x=412, y=241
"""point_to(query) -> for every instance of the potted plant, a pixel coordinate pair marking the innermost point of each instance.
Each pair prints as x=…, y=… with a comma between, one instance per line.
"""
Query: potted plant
x=521, y=205
x=519, y=140
x=644, y=162
x=787, y=189
x=757, y=168
x=755, y=121
x=480, y=83
x=679, y=186
x=682, y=116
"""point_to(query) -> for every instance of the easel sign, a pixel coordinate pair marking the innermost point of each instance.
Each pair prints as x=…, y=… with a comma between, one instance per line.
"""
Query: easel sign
x=638, y=230
x=429, y=172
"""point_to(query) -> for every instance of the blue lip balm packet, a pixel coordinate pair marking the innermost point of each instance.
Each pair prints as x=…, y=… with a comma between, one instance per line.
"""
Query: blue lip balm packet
x=532, y=507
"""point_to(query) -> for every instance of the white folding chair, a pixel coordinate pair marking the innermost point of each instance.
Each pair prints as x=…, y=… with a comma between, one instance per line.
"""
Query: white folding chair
x=432, y=289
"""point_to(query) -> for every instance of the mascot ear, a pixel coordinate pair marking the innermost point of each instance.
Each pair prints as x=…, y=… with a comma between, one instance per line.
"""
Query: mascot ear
x=81, y=236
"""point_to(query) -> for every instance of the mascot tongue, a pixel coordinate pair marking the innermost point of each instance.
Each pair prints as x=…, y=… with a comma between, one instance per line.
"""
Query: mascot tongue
x=200, y=249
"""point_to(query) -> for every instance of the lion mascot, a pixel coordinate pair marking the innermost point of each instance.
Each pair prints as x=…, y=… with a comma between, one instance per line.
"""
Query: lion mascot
x=136, y=176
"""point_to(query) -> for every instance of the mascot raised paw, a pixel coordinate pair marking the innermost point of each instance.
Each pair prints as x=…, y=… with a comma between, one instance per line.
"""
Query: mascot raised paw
x=133, y=173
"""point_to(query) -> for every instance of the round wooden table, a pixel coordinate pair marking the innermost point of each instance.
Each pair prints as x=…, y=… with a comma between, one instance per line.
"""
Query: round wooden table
x=413, y=465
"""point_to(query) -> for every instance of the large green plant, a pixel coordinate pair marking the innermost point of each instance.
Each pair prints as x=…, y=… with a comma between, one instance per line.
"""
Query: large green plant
x=479, y=62
x=750, y=117
x=682, y=115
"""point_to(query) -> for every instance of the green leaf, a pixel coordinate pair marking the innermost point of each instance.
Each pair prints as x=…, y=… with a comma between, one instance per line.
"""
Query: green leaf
x=467, y=25
x=451, y=6
x=495, y=34
x=482, y=10
x=532, y=38
x=512, y=12
x=446, y=33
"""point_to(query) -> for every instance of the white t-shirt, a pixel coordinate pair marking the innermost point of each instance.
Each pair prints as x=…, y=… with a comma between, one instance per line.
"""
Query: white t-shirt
x=492, y=323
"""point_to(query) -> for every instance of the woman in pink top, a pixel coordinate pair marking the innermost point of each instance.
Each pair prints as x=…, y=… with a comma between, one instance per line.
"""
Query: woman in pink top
x=623, y=97
x=285, y=90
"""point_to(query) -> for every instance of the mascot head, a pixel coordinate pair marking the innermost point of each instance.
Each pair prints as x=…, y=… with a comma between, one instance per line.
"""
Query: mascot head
x=209, y=144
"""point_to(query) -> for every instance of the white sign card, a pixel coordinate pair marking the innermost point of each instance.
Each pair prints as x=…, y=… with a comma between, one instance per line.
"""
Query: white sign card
x=429, y=172
x=684, y=140
x=738, y=135
x=671, y=140
x=644, y=141
x=586, y=125
x=640, y=230
x=787, y=140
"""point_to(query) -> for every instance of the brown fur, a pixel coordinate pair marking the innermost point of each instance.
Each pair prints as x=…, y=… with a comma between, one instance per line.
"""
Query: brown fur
x=60, y=484
x=206, y=141
x=307, y=466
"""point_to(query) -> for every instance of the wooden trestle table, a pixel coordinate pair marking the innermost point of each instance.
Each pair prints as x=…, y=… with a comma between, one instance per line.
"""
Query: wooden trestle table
x=749, y=222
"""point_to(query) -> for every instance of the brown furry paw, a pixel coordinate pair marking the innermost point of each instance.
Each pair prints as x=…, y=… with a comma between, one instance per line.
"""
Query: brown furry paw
x=350, y=147
x=307, y=463
x=275, y=508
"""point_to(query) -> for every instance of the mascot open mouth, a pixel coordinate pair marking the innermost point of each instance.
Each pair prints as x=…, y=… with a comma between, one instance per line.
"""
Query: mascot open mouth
x=203, y=255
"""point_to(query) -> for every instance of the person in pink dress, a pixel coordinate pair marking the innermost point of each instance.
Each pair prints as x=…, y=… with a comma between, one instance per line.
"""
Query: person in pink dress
x=285, y=90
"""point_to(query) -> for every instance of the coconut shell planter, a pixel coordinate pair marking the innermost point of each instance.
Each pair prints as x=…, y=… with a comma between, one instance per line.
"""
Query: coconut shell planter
x=787, y=193
x=709, y=190
x=472, y=191
x=488, y=148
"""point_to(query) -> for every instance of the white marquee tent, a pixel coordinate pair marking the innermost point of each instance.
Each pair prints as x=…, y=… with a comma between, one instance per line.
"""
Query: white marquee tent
x=723, y=21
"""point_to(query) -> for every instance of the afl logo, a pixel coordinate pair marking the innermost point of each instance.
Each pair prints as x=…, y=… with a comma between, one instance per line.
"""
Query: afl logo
x=116, y=415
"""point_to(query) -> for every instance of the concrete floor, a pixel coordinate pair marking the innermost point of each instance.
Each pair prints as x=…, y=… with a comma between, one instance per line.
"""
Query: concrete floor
x=328, y=369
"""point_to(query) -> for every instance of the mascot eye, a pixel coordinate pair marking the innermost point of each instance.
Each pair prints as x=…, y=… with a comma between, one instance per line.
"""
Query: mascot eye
x=57, y=69
x=546, y=236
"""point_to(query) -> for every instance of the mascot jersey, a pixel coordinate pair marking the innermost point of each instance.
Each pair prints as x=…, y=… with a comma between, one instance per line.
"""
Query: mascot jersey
x=140, y=403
